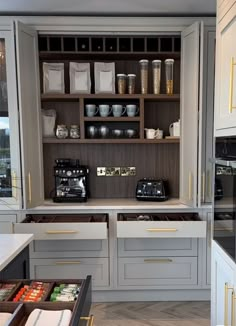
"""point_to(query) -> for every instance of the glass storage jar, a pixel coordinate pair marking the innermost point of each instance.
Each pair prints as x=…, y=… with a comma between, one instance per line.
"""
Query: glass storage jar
x=74, y=131
x=144, y=75
x=169, y=65
x=131, y=83
x=156, y=76
x=121, y=83
x=62, y=131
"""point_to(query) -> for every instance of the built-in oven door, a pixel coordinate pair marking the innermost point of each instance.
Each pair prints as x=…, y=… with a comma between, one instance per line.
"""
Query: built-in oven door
x=224, y=205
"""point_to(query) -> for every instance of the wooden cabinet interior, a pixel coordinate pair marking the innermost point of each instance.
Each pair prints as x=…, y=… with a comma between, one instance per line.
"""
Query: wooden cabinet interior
x=155, y=158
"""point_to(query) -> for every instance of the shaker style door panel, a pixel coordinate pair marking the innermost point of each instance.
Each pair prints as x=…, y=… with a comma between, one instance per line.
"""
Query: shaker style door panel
x=225, y=92
x=151, y=271
x=71, y=268
x=10, y=177
x=206, y=113
x=189, y=114
x=30, y=118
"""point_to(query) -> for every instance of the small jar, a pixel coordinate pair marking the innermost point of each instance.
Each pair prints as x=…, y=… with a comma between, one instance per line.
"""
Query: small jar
x=131, y=83
x=74, y=131
x=144, y=76
x=62, y=131
x=121, y=83
x=156, y=76
x=169, y=65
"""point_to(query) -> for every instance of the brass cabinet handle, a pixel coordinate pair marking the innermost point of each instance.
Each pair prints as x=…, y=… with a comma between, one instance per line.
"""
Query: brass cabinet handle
x=90, y=320
x=72, y=262
x=190, y=186
x=208, y=184
x=231, y=85
x=61, y=231
x=161, y=230
x=30, y=187
x=227, y=288
x=14, y=184
x=203, y=186
x=164, y=260
x=232, y=309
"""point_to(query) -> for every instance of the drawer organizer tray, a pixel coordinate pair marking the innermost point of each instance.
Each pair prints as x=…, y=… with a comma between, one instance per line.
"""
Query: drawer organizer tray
x=66, y=218
x=79, y=308
x=159, y=217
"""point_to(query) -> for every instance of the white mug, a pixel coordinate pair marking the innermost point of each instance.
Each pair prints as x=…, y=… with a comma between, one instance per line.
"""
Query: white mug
x=118, y=110
x=153, y=133
x=104, y=110
x=91, y=110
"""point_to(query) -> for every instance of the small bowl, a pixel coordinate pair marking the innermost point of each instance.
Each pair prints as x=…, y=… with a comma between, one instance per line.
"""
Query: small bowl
x=117, y=133
x=130, y=133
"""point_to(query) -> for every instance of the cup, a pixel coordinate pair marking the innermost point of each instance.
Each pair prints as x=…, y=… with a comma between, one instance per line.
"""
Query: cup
x=132, y=110
x=104, y=110
x=150, y=133
x=159, y=134
x=92, y=131
x=118, y=110
x=91, y=110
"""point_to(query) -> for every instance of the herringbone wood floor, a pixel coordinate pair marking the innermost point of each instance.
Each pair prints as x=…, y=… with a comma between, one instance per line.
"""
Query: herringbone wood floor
x=152, y=313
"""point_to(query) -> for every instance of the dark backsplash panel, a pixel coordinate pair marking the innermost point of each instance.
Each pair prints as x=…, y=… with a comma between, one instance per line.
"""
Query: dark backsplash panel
x=159, y=161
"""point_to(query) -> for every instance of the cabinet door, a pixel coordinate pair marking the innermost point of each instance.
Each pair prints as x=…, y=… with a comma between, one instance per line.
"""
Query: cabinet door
x=10, y=181
x=29, y=106
x=206, y=111
x=189, y=114
x=225, y=88
x=223, y=278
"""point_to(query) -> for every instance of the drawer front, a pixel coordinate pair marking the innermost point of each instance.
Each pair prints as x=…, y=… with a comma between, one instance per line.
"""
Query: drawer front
x=223, y=8
x=77, y=248
x=157, y=247
x=71, y=268
x=7, y=218
x=69, y=231
x=162, y=229
x=6, y=227
x=159, y=271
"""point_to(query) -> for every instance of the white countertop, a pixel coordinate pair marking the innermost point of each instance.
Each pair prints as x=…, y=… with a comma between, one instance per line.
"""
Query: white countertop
x=11, y=245
x=114, y=204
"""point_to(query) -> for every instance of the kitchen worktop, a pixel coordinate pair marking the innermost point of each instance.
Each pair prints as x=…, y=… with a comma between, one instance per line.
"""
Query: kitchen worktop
x=114, y=204
x=11, y=245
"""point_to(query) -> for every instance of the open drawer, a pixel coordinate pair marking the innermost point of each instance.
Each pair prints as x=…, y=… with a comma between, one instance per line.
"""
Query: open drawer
x=54, y=227
x=160, y=225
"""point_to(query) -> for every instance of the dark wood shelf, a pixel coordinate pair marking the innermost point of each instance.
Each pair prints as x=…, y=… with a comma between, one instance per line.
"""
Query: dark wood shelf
x=112, y=119
x=77, y=97
x=110, y=141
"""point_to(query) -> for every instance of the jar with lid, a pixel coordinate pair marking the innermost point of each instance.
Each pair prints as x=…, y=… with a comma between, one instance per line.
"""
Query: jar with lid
x=131, y=83
x=121, y=83
x=62, y=131
x=156, y=76
x=144, y=75
x=74, y=131
x=169, y=65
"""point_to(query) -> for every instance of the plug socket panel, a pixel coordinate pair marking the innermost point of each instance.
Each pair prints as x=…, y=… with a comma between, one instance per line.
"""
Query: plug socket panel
x=116, y=171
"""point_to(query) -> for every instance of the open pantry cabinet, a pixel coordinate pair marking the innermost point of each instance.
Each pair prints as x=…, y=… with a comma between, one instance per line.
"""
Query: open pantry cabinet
x=173, y=159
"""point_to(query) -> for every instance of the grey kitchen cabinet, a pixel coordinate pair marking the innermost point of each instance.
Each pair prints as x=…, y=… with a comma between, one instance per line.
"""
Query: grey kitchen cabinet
x=225, y=95
x=197, y=86
x=7, y=222
x=223, y=287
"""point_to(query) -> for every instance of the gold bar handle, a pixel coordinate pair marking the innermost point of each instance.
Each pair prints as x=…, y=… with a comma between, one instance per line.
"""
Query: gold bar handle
x=14, y=184
x=232, y=309
x=72, y=262
x=231, y=85
x=203, y=186
x=90, y=320
x=161, y=230
x=61, y=232
x=30, y=187
x=190, y=186
x=208, y=184
x=227, y=288
x=158, y=260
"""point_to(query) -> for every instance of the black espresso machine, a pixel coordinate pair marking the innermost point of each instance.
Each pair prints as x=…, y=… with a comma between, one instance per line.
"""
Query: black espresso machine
x=71, y=181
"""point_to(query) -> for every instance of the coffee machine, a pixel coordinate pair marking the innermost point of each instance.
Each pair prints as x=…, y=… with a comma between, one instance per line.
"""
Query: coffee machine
x=71, y=181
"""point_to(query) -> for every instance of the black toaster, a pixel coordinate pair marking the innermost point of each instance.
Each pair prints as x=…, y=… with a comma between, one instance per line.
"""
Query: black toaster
x=153, y=190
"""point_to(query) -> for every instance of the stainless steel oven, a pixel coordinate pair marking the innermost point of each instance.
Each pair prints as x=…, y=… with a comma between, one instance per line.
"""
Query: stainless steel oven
x=225, y=194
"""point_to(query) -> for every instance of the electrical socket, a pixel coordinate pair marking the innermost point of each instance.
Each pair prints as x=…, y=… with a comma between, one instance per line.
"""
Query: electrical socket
x=127, y=171
x=112, y=171
x=101, y=171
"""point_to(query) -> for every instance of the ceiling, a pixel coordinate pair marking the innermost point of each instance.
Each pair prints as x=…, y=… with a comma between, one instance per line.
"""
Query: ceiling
x=109, y=7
